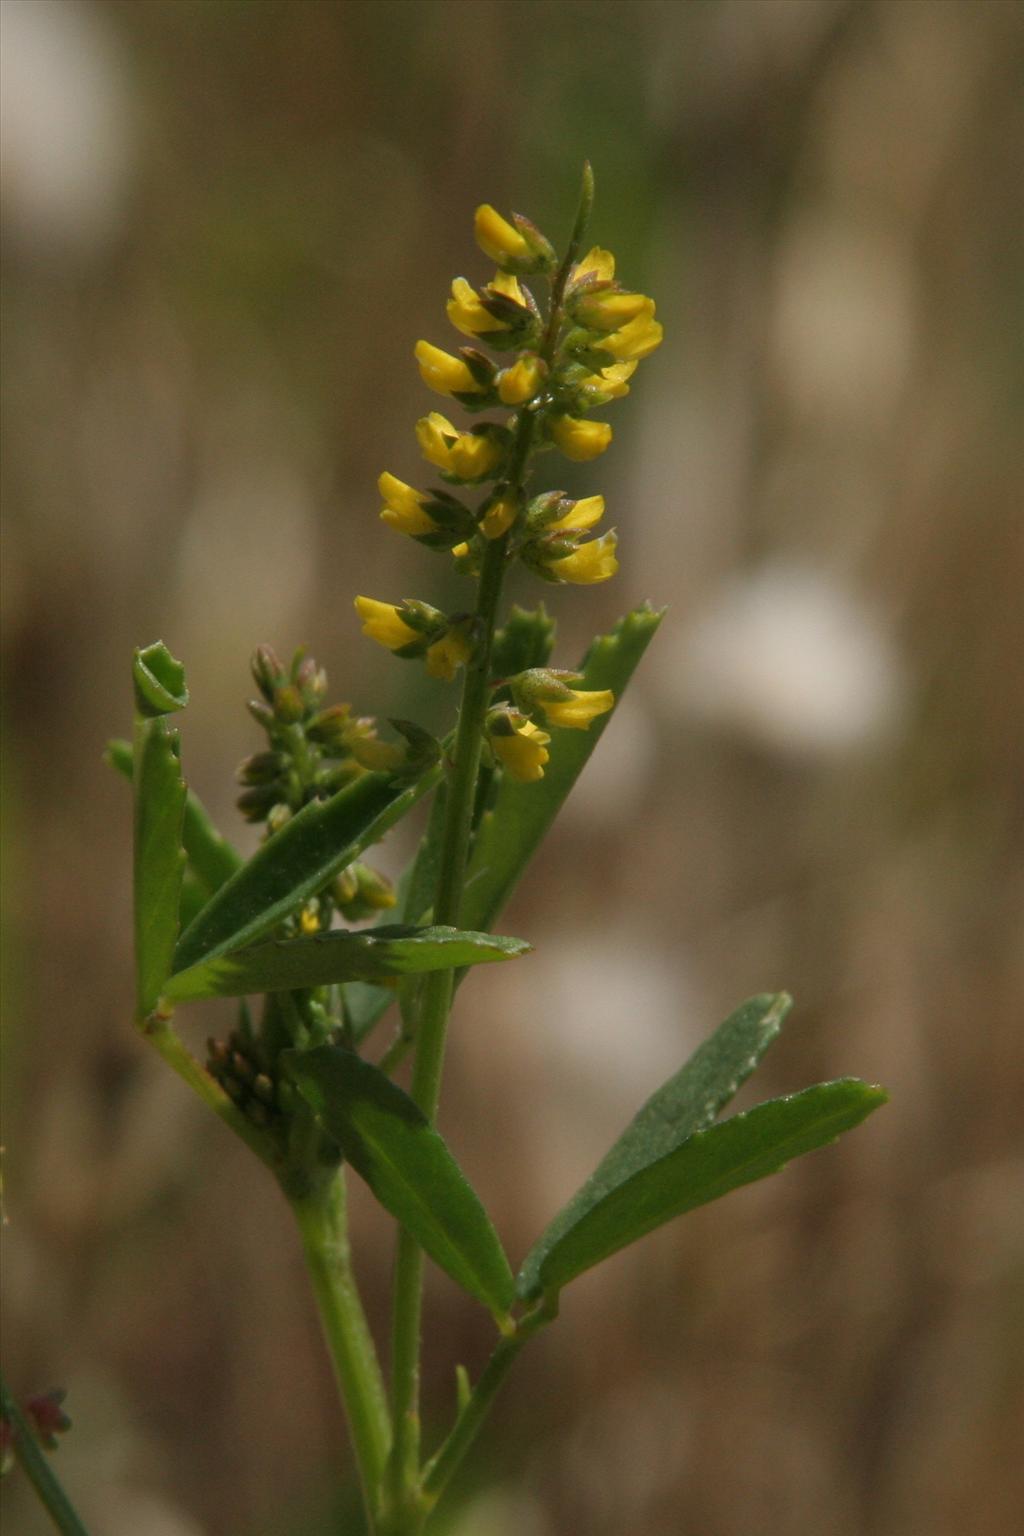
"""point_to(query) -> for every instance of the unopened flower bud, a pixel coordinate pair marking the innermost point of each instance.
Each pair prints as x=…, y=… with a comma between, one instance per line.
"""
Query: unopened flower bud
x=277, y=817
x=268, y=673
x=47, y=1417
x=255, y=803
x=261, y=768
x=329, y=728
x=289, y=706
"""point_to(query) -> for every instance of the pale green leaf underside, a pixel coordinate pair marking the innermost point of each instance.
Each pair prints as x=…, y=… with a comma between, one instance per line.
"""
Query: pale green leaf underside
x=404, y=1160
x=325, y=958
x=704, y=1167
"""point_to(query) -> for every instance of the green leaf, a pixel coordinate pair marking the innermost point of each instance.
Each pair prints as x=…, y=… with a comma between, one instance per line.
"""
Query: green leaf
x=702, y=1168
x=297, y=862
x=159, y=681
x=324, y=958
x=510, y=833
x=391, y=1144
x=159, y=856
x=211, y=857
x=687, y=1102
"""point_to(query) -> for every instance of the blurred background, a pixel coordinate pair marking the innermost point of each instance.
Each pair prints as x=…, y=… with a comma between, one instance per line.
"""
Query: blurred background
x=226, y=222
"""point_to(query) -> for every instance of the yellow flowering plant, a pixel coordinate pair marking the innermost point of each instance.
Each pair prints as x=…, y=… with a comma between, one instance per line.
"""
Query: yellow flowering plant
x=318, y=948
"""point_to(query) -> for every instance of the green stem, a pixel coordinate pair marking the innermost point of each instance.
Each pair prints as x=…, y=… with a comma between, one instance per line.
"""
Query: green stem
x=440, y=1469
x=407, y=1504
x=34, y=1463
x=322, y=1220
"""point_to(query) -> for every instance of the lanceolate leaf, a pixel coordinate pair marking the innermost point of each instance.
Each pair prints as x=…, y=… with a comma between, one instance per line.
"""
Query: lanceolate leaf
x=324, y=958
x=296, y=863
x=390, y=1143
x=510, y=833
x=159, y=858
x=702, y=1168
x=688, y=1102
x=211, y=858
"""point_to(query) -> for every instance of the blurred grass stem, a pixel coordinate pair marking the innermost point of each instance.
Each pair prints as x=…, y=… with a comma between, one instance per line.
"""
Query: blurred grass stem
x=35, y=1464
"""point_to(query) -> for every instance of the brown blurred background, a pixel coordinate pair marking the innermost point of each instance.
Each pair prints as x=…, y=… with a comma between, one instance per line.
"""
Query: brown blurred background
x=226, y=223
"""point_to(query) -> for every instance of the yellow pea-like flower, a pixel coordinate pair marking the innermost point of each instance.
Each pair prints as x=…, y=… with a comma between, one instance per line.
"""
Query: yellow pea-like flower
x=498, y=518
x=610, y=384
x=524, y=753
x=591, y=563
x=635, y=340
x=596, y=263
x=577, y=713
x=521, y=381
x=404, y=509
x=496, y=237
x=580, y=440
x=607, y=311
x=453, y=650
x=465, y=454
x=467, y=313
x=582, y=515
x=383, y=623
x=444, y=373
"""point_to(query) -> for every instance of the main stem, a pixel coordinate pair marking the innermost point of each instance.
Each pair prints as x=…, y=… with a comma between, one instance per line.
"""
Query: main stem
x=407, y=1504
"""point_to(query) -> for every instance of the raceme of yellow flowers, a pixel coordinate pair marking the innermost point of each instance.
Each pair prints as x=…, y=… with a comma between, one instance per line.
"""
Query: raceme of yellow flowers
x=556, y=364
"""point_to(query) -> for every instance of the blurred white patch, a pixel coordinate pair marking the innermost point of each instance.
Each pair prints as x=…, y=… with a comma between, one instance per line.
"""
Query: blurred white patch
x=65, y=141
x=793, y=661
x=844, y=320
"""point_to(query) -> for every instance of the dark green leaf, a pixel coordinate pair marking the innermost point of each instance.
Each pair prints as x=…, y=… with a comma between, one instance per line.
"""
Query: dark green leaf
x=297, y=862
x=211, y=857
x=510, y=833
x=688, y=1102
x=159, y=681
x=390, y=1143
x=159, y=857
x=324, y=958
x=702, y=1168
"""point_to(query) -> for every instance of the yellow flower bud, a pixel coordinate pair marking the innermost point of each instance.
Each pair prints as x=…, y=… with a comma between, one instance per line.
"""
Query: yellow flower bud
x=404, y=509
x=497, y=238
x=465, y=454
x=589, y=564
x=524, y=753
x=521, y=382
x=576, y=713
x=596, y=263
x=460, y=551
x=446, y=374
x=382, y=622
x=582, y=515
x=445, y=655
x=607, y=311
x=309, y=919
x=580, y=440
x=498, y=518
x=635, y=340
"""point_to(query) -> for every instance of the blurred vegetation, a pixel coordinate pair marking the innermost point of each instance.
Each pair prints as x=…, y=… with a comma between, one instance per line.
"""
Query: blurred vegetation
x=225, y=224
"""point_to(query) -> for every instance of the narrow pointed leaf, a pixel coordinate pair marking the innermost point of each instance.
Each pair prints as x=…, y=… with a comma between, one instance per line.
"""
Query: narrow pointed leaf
x=391, y=1144
x=687, y=1102
x=325, y=958
x=211, y=858
x=702, y=1168
x=297, y=862
x=510, y=833
x=159, y=860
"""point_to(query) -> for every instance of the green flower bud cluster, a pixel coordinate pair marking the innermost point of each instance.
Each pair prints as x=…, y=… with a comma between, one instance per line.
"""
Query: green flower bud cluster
x=313, y=748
